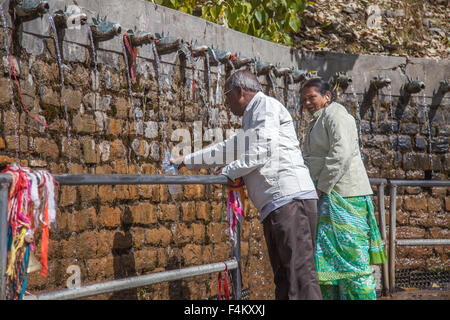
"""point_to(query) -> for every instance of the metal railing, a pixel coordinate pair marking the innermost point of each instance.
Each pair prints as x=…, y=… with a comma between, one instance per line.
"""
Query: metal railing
x=393, y=242
x=381, y=184
x=234, y=264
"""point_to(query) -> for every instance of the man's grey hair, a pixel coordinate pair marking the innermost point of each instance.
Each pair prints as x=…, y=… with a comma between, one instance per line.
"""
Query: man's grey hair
x=244, y=79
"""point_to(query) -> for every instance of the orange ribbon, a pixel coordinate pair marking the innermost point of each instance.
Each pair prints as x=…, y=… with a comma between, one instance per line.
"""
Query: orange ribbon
x=44, y=242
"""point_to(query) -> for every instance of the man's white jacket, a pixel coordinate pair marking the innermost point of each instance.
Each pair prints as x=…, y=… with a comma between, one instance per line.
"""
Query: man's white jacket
x=265, y=153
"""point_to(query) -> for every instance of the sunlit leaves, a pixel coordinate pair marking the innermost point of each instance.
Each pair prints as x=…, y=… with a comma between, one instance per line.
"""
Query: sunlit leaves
x=272, y=20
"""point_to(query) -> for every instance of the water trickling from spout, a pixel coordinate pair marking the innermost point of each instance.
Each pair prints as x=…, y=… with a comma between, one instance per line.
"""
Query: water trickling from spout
x=11, y=91
x=358, y=116
x=63, y=88
x=273, y=82
x=189, y=55
x=207, y=97
x=428, y=124
x=218, y=93
x=157, y=66
x=214, y=114
x=391, y=108
x=296, y=108
x=134, y=111
x=158, y=79
x=94, y=52
x=125, y=58
x=391, y=113
x=208, y=75
x=232, y=66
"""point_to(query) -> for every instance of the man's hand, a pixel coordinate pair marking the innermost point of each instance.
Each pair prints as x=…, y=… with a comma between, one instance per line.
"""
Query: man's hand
x=229, y=181
x=178, y=161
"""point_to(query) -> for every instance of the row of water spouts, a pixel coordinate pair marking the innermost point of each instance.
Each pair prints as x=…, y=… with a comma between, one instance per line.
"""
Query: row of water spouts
x=101, y=30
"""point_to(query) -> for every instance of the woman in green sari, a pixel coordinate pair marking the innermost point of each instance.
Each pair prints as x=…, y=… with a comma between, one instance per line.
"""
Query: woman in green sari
x=348, y=241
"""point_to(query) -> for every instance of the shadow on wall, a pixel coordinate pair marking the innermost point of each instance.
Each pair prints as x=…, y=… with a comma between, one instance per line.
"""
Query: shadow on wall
x=125, y=266
x=325, y=63
x=178, y=290
x=124, y=263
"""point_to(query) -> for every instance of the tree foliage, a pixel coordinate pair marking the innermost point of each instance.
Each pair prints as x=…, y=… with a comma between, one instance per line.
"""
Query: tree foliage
x=272, y=20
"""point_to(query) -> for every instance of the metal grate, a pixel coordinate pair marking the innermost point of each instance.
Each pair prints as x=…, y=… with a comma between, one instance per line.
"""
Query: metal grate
x=411, y=278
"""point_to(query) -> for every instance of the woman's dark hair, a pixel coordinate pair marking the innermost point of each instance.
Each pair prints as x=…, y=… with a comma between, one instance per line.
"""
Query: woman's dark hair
x=321, y=86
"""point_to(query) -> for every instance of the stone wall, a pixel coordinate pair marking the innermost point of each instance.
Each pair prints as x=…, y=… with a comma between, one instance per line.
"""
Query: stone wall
x=100, y=125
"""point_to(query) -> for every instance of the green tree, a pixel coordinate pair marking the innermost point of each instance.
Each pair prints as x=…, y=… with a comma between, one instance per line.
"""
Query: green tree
x=272, y=20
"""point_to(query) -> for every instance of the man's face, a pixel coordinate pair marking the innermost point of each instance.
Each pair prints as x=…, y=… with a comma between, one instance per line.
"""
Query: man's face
x=232, y=98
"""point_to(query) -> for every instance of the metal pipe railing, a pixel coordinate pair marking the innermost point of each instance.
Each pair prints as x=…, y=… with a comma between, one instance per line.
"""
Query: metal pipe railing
x=135, y=282
x=392, y=235
x=393, y=242
x=423, y=242
x=130, y=179
x=382, y=224
x=4, y=192
x=420, y=183
x=121, y=179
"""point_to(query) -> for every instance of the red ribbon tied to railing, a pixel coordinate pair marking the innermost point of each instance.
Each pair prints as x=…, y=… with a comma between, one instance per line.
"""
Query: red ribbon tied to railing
x=236, y=204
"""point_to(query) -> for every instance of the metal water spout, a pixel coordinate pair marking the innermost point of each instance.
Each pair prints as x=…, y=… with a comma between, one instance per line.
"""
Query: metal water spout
x=340, y=80
x=444, y=87
x=139, y=38
x=377, y=83
x=282, y=71
x=299, y=75
x=103, y=30
x=409, y=88
x=25, y=10
x=312, y=74
x=303, y=75
x=198, y=50
x=217, y=57
x=241, y=61
x=263, y=68
x=413, y=86
x=65, y=19
x=132, y=40
x=166, y=44
x=22, y=11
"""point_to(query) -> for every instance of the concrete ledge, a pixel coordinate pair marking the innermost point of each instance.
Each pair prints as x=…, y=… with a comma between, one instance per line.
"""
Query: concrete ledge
x=149, y=17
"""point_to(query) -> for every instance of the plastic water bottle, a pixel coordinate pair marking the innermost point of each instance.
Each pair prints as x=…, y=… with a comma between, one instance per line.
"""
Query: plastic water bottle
x=171, y=169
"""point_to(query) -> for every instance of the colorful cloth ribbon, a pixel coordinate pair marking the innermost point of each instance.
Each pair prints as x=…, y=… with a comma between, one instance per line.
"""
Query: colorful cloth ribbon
x=226, y=287
x=24, y=214
x=236, y=204
x=133, y=54
x=13, y=70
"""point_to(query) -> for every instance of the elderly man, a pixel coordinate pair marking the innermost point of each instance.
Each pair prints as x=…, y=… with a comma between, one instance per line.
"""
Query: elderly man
x=277, y=180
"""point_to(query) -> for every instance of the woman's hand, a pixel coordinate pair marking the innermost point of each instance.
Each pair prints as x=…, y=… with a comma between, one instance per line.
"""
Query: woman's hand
x=319, y=193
